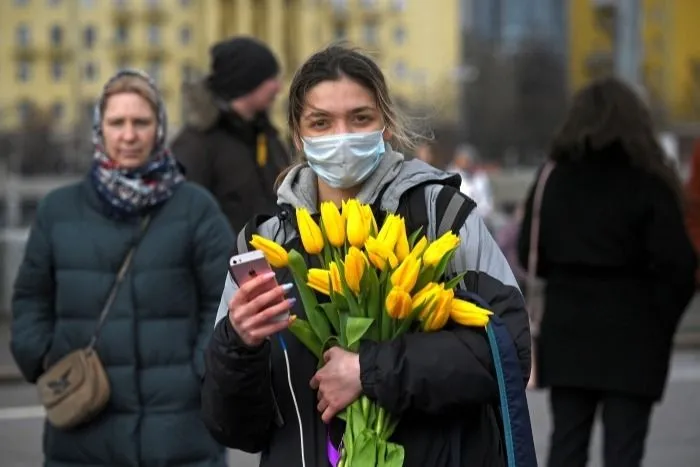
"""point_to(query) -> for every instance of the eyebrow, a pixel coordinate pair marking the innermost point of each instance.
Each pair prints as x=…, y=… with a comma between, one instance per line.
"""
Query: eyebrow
x=316, y=112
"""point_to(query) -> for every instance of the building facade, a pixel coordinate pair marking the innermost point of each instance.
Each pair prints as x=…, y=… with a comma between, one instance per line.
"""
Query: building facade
x=56, y=54
x=667, y=49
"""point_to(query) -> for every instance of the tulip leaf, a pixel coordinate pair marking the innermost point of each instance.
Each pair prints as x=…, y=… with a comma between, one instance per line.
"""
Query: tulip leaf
x=411, y=318
x=366, y=448
x=454, y=282
x=331, y=313
x=442, y=265
x=394, y=456
x=414, y=237
x=374, y=303
x=424, y=278
x=317, y=320
x=343, y=335
x=356, y=327
x=302, y=331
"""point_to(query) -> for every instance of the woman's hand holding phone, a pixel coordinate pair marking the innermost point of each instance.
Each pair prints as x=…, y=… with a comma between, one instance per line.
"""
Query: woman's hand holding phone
x=254, y=307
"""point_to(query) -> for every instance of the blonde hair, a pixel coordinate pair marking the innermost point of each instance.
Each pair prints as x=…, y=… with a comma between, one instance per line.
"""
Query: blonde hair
x=130, y=83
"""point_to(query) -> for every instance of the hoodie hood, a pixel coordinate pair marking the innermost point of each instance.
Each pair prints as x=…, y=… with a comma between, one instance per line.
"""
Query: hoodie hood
x=298, y=188
x=201, y=110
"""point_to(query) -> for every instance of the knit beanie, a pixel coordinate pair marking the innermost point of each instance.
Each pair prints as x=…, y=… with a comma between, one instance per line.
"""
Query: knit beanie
x=239, y=65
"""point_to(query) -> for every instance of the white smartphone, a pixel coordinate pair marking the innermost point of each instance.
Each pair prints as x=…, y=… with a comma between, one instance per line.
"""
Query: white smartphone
x=247, y=266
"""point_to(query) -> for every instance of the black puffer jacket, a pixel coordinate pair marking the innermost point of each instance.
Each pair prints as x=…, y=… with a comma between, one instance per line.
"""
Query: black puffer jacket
x=441, y=383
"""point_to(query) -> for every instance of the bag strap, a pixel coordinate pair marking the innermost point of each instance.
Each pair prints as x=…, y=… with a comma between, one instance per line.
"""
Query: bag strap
x=115, y=287
x=452, y=207
x=512, y=397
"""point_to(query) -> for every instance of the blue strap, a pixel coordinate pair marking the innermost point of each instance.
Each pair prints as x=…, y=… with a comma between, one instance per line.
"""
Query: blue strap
x=520, y=445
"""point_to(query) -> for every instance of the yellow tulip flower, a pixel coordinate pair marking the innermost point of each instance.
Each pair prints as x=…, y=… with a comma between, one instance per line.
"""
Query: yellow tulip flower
x=368, y=215
x=319, y=280
x=406, y=275
x=357, y=228
x=440, y=312
x=428, y=295
x=274, y=253
x=381, y=256
x=419, y=247
x=467, y=314
x=333, y=224
x=309, y=231
x=334, y=274
x=402, y=247
x=355, y=262
x=398, y=303
x=439, y=248
x=389, y=233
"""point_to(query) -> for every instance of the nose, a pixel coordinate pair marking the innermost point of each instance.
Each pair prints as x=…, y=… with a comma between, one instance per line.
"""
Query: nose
x=129, y=132
x=342, y=127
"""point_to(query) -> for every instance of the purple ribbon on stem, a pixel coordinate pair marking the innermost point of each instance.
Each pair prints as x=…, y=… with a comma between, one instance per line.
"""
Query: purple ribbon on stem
x=333, y=453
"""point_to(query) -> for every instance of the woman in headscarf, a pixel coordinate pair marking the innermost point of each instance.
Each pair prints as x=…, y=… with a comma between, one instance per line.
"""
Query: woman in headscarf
x=154, y=333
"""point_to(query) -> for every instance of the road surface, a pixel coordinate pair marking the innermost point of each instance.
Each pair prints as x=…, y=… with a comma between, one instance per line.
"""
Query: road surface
x=674, y=440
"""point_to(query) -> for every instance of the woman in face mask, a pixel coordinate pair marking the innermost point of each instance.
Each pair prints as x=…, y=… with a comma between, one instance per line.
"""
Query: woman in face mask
x=441, y=384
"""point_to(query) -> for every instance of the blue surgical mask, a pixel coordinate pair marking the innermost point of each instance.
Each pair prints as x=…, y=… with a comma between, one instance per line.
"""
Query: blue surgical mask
x=345, y=160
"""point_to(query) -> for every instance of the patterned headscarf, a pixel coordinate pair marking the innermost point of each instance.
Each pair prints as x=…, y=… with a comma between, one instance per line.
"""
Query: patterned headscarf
x=130, y=192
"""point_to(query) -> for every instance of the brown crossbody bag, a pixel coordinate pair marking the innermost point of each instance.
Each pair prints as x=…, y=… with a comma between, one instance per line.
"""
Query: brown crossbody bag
x=76, y=389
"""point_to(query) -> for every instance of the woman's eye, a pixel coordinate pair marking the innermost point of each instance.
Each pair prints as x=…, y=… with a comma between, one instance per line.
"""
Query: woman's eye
x=362, y=119
x=318, y=124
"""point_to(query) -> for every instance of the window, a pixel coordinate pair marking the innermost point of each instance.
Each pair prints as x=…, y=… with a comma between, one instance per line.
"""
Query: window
x=123, y=64
x=121, y=34
x=90, y=71
x=24, y=71
x=400, y=70
x=53, y=2
x=153, y=70
x=89, y=37
x=399, y=35
x=57, y=70
x=87, y=4
x=56, y=35
x=398, y=5
x=369, y=33
x=24, y=109
x=185, y=35
x=188, y=73
x=153, y=34
x=21, y=2
x=339, y=31
x=58, y=110
x=119, y=3
x=185, y=3
x=23, y=37
x=368, y=4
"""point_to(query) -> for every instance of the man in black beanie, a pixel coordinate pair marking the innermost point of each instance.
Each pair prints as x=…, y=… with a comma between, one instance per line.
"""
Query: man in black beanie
x=228, y=144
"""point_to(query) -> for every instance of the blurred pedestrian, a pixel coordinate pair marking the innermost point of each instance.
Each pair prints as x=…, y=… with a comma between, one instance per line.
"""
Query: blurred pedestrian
x=619, y=269
x=475, y=182
x=692, y=206
x=153, y=335
x=229, y=144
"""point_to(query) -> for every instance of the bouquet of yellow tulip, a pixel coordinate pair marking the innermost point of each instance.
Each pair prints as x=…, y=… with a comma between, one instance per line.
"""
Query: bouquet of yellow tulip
x=380, y=283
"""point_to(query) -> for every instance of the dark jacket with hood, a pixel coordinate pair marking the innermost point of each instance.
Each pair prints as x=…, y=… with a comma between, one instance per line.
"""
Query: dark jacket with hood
x=620, y=268
x=238, y=161
x=442, y=384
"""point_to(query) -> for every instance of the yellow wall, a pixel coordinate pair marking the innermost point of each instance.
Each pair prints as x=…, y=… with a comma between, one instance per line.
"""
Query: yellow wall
x=670, y=43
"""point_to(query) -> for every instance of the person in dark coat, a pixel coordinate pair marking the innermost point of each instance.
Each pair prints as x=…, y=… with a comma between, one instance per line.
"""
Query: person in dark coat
x=619, y=267
x=229, y=145
x=154, y=335
x=442, y=384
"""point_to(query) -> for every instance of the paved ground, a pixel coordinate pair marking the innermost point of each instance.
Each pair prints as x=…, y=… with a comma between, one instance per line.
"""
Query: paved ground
x=674, y=440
